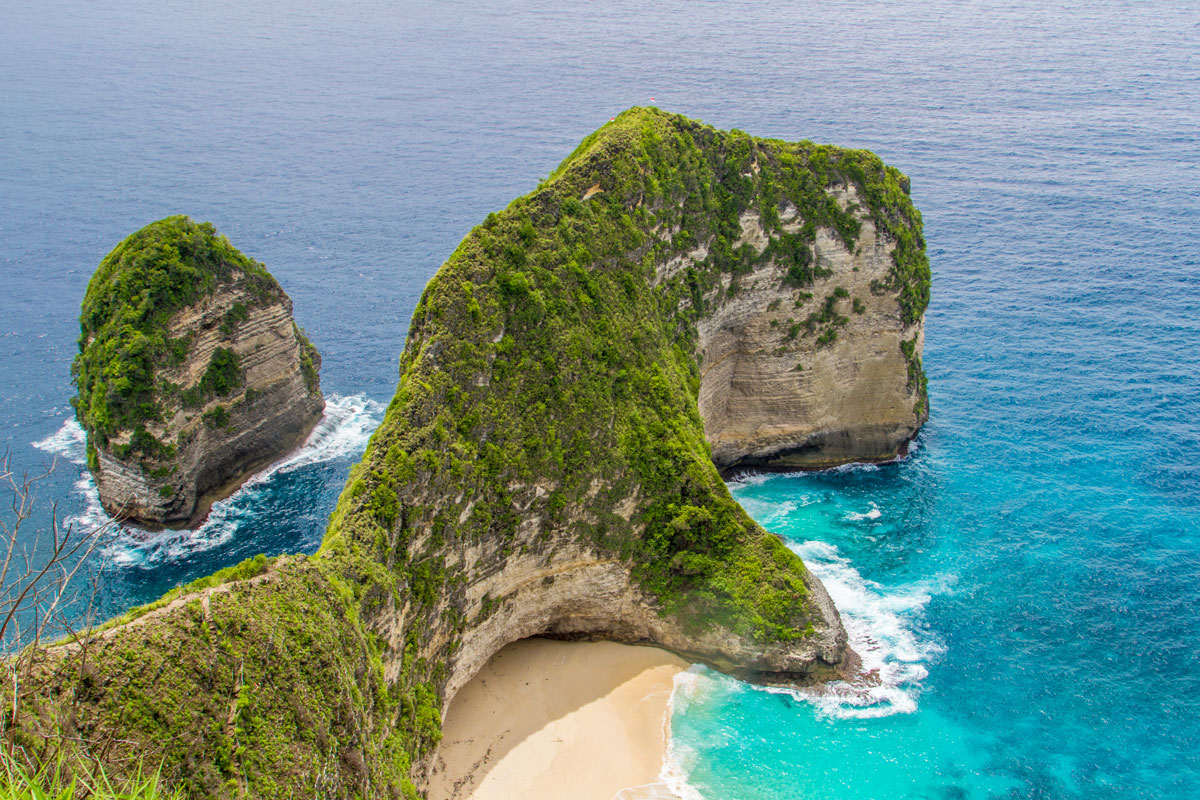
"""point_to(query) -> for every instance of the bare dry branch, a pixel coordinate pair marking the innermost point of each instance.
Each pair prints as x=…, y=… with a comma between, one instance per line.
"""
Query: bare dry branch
x=44, y=578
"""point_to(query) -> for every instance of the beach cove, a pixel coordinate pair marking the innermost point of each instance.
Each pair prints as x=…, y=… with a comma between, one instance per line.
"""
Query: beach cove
x=547, y=719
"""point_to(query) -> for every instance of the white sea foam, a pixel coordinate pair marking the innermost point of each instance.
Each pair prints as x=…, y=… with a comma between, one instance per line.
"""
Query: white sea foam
x=768, y=512
x=751, y=478
x=882, y=624
x=680, y=758
x=69, y=442
x=771, y=513
x=873, y=513
x=883, y=627
x=855, y=466
x=343, y=431
x=650, y=791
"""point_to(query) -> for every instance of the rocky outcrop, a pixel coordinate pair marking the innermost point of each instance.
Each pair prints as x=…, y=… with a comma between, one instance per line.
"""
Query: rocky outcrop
x=816, y=376
x=579, y=593
x=192, y=373
x=545, y=468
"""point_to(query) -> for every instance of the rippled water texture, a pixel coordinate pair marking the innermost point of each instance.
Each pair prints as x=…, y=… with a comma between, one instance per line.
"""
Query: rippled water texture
x=1025, y=584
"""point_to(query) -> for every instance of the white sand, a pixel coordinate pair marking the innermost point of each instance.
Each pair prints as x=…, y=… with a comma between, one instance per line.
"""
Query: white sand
x=545, y=720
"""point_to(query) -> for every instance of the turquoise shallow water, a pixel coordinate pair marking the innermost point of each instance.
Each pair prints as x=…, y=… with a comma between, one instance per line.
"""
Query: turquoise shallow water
x=1025, y=583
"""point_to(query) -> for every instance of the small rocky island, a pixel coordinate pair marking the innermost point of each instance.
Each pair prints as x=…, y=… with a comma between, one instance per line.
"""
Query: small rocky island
x=191, y=373
x=672, y=300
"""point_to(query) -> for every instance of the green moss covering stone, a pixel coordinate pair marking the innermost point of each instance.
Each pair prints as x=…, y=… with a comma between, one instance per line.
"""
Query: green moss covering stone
x=124, y=336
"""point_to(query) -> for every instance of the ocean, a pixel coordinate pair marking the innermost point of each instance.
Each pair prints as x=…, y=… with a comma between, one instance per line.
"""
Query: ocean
x=1026, y=583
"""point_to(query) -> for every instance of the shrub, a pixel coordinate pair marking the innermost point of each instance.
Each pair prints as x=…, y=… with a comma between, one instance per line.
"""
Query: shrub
x=224, y=374
x=235, y=316
x=217, y=417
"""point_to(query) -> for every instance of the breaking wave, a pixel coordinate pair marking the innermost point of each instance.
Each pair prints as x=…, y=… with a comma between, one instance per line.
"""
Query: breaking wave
x=882, y=624
x=343, y=432
x=873, y=513
x=680, y=758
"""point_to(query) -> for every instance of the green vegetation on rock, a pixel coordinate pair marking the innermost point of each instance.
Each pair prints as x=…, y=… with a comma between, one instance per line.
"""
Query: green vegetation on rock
x=138, y=287
x=547, y=318
x=310, y=360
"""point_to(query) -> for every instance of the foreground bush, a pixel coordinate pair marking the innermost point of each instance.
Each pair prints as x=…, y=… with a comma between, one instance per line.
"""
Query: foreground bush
x=58, y=782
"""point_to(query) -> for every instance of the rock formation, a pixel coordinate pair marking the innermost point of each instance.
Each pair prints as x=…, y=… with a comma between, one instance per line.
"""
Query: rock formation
x=815, y=377
x=191, y=373
x=544, y=468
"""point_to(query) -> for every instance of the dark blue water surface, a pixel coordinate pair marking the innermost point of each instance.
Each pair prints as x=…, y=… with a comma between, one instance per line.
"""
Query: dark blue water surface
x=1026, y=583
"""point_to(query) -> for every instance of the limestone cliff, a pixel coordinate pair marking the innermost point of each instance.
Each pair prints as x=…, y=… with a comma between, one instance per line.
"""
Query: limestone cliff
x=542, y=469
x=191, y=373
x=817, y=376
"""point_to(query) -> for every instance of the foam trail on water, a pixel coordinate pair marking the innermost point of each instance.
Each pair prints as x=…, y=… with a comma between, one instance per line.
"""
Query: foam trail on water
x=771, y=512
x=874, y=513
x=881, y=625
x=855, y=466
x=750, y=478
x=70, y=442
x=343, y=431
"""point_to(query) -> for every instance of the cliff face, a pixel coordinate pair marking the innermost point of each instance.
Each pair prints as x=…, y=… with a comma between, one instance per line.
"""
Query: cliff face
x=545, y=467
x=192, y=374
x=812, y=377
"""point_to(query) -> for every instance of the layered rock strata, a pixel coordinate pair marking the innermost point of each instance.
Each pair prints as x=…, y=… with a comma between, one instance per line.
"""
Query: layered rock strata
x=542, y=470
x=812, y=376
x=192, y=373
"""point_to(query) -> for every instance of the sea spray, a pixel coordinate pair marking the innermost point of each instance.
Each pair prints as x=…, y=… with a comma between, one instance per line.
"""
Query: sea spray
x=769, y=513
x=881, y=624
x=343, y=432
x=69, y=442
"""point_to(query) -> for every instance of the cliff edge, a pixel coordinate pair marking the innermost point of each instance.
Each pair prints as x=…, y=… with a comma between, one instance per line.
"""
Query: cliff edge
x=191, y=373
x=544, y=468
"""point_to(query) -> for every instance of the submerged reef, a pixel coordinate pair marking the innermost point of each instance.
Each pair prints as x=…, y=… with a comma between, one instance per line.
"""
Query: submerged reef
x=574, y=375
x=191, y=373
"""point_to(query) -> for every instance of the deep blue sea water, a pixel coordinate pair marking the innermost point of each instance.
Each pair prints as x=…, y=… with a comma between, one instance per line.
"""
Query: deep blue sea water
x=1027, y=583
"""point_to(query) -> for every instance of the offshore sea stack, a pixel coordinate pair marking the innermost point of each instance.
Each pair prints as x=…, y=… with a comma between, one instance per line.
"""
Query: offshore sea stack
x=671, y=300
x=191, y=373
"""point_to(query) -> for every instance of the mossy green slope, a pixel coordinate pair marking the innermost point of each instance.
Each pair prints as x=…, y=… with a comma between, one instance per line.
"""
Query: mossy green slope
x=263, y=687
x=546, y=402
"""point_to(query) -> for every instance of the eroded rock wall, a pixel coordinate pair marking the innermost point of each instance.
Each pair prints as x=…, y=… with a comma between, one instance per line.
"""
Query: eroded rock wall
x=540, y=585
x=223, y=440
x=773, y=394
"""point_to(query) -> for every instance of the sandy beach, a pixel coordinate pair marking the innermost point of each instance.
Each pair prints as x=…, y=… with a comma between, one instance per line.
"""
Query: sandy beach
x=546, y=719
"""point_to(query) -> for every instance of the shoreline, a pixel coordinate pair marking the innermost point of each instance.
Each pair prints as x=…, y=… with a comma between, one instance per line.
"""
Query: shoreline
x=546, y=719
